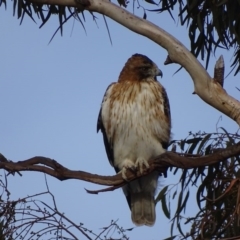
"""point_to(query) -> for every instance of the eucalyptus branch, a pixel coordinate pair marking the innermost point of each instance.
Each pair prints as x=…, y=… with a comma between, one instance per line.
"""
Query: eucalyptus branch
x=159, y=163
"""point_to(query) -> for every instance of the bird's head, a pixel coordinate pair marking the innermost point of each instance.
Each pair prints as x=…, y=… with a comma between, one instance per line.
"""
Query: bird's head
x=139, y=68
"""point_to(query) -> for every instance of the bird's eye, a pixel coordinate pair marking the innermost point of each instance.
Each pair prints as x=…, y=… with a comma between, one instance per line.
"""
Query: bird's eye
x=143, y=68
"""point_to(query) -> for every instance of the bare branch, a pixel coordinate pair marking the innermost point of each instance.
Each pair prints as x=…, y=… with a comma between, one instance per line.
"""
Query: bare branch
x=32, y=218
x=205, y=86
x=160, y=163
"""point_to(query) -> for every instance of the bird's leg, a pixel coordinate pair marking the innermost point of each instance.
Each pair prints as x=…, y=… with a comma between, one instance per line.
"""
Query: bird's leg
x=141, y=163
x=127, y=164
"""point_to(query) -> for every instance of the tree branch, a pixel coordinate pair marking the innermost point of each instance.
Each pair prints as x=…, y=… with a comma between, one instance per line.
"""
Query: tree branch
x=160, y=164
x=206, y=88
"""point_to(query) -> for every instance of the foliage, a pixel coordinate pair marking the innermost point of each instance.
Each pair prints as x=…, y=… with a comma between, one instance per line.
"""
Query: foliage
x=216, y=213
x=32, y=218
x=211, y=24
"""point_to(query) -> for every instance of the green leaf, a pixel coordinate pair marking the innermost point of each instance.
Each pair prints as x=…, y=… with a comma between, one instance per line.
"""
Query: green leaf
x=194, y=140
x=14, y=6
x=180, y=229
x=175, y=193
x=164, y=207
x=208, y=149
x=231, y=140
x=175, y=171
x=191, y=176
x=199, y=22
x=204, y=140
x=20, y=7
x=144, y=15
x=172, y=226
x=182, y=143
x=161, y=194
x=151, y=2
x=185, y=202
x=183, y=178
x=170, y=238
x=129, y=229
x=179, y=203
x=200, y=191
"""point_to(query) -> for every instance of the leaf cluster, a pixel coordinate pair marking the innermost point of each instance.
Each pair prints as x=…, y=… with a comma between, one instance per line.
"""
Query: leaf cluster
x=211, y=25
x=44, y=13
x=217, y=190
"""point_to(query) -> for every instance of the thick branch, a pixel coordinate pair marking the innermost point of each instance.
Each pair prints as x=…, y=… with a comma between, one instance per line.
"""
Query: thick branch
x=160, y=163
x=206, y=88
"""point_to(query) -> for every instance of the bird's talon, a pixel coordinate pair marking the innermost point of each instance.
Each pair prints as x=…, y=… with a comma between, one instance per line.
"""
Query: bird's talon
x=128, y=164
x=133, y=168
x=124, y=176
x=141, y=164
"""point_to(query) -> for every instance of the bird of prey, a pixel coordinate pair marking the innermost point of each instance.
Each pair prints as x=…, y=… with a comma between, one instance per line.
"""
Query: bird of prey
x=135, y=122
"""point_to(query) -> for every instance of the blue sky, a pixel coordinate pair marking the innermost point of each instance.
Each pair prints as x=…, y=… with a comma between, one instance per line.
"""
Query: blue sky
x=50, y=99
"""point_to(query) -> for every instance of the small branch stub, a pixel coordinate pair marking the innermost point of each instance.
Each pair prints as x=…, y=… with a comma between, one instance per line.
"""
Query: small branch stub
x=219, y=71
x=168, y=60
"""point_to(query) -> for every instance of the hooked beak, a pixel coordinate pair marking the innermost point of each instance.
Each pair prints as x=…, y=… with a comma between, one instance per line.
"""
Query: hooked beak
x=159, y=73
